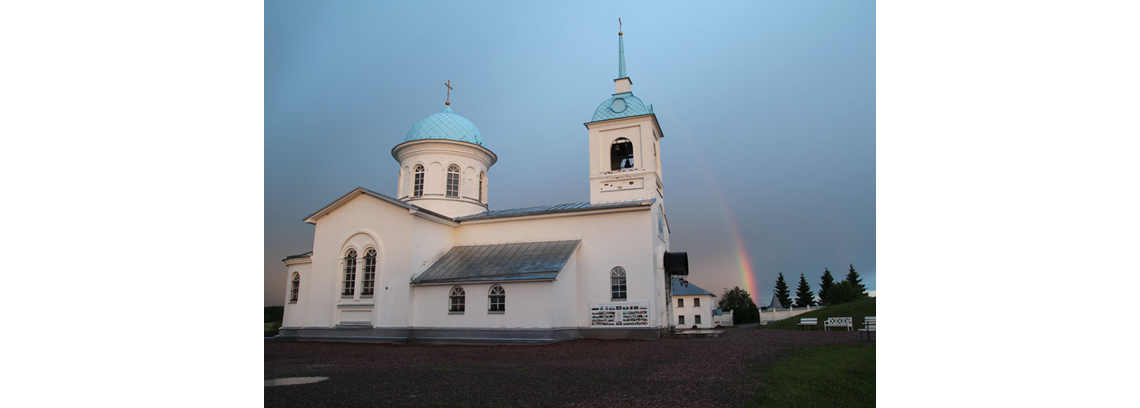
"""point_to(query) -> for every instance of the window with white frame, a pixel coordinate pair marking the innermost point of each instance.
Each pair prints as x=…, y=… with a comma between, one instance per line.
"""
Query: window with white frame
x=296, y=289
x=456, y=301
x=680, y=302
x=453, y=181
x=418, y=181
x=697, y=319
x=349, y=273
x=617, y=284
x=497, y=299
x=697, y=302
x=369, y=283
x=681, y=319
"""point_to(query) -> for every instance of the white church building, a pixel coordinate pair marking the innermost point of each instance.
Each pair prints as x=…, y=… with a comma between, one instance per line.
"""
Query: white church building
x=432, y=263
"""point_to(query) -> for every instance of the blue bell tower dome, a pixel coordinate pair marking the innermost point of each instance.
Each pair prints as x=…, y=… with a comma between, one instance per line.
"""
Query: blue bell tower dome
x=445, y=125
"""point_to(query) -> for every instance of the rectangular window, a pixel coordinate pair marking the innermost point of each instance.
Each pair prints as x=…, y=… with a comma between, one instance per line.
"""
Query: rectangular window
x=697, y=302
x=697, y=319
x=680, y=302
x=418, y=185
x=681, y=319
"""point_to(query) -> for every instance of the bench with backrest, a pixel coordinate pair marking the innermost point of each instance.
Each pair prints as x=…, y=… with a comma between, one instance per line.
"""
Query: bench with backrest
x=808, y=321
x=868, y=327
x=838, y=322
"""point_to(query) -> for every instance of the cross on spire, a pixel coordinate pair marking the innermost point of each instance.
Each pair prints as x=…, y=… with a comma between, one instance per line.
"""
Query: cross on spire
x=449, y=88
x=619, y=25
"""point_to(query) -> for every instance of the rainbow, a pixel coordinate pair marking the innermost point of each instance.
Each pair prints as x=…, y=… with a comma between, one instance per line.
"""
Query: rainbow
x=746, y=272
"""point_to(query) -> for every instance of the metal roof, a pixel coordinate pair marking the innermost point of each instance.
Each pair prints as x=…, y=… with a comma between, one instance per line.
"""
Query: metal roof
x=522, y=261
x=633, y=106
x=691, y=290
x=445, y=125
x=554, y=209
x=304, y=255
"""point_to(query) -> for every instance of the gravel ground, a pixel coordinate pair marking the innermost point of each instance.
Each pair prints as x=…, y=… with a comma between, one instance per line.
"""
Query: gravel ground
x=702, y=372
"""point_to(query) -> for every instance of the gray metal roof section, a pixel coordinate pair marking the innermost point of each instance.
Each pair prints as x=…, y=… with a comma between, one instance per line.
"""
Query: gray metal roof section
x=691, y=290
x=523, y=261
x=304, y=255
x=554, y=209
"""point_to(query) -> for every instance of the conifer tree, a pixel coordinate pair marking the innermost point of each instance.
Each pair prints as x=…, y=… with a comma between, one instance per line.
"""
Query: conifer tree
x=782, y=294
x=804, y=295
x=825, y=283
x=854, y=278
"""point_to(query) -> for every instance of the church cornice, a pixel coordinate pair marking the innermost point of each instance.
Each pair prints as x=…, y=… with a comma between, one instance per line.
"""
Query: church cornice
x=442, y=146
x=630, y=119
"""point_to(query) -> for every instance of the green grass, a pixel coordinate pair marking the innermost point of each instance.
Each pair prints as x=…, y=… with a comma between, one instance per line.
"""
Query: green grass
x=833, y=375
x=271, y=329
x=857, y=310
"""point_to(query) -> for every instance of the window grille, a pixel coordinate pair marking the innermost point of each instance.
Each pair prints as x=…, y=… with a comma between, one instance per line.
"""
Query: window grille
x=349, y=273
x=418, y=184
x=680, y=302
x=369, y=273
x=453, y=181
x=457, y=300
x=680, y=319
x=621, y=154
x=697, y=302
x=497, y=299
x=296, y=287
x=617, y=284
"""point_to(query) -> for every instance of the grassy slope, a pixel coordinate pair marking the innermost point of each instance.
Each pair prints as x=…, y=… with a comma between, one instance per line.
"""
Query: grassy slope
x=833, y=375
x=856, y=310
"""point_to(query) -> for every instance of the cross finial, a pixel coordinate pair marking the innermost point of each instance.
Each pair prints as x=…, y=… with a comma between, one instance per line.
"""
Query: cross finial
x=448, y=85
x=619, y=25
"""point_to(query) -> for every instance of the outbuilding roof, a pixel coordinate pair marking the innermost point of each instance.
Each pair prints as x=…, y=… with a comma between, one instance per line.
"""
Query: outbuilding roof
x=521, y=261
x=690, y=290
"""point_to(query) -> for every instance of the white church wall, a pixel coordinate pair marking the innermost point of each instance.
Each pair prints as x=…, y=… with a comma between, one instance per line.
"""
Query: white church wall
x=436, y=156
x=362, y=220
x=608, y=240
x=607, y=185
x=528, y=305
x=295, y=311
x=564, y=295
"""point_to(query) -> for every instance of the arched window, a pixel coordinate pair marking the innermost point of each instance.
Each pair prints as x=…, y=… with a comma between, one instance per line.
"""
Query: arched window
x=621, y=154
x=349, y=273
x=617, y=284
x=418, y=181
x=296, y=288
x=498, y=300
x=453, y=181
x=457, y=300
x=369, y=273
x=482, y=179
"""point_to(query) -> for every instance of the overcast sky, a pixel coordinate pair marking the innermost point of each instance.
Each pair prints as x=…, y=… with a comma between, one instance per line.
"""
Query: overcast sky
x=768, y=112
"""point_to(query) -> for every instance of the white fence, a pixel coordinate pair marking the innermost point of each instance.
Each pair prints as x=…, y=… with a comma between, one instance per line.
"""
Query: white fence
x=724, y=319
x=781, y=314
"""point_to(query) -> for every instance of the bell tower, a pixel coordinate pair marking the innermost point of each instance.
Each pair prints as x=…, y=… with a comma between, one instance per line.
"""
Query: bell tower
x=625, y=145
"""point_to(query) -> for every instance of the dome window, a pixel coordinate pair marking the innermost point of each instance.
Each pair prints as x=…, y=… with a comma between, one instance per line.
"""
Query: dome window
x=418, y=182
x=453, y=181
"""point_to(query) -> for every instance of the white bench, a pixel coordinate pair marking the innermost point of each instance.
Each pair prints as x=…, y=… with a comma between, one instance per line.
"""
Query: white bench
x=838, y=322
x=808, y=321
x=868, y=327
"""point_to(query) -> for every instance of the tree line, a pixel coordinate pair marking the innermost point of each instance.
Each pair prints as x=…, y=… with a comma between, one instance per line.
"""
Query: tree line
x=830, y=293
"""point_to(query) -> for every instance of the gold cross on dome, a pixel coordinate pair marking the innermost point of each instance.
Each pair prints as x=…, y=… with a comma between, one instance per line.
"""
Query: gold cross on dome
x=449, y=88
x=619, y=25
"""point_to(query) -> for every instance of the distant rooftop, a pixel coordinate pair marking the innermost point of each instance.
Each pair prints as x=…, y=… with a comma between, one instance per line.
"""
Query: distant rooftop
x=691, y=290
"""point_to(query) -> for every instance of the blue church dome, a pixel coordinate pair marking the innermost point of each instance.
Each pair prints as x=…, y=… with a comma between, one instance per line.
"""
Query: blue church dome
x=620, y=106
x=446, y=125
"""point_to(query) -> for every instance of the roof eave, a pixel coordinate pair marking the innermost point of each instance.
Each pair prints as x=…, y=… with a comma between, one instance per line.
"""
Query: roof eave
x=651, y=115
